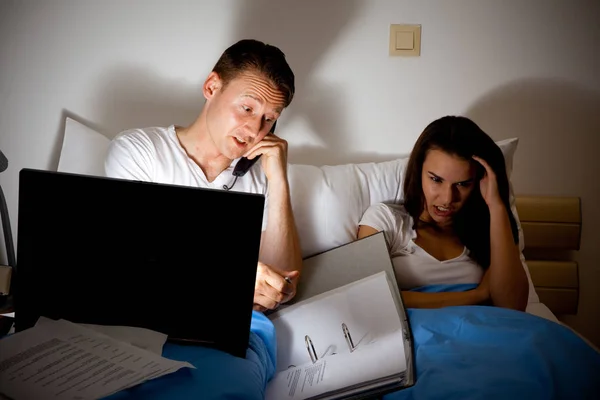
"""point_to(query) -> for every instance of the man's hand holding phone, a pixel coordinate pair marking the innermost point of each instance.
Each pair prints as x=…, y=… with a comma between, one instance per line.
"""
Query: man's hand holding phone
x=273, y=152
x=273, y=287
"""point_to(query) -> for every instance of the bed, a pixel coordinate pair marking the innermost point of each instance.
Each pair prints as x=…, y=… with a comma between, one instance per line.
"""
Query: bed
x=461, y=352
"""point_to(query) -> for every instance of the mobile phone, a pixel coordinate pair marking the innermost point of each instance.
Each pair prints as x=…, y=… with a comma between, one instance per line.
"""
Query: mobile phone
x=244, y=164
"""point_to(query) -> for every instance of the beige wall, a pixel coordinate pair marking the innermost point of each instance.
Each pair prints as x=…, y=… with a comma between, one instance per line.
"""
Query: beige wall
x=526, y=68
x=558, y=124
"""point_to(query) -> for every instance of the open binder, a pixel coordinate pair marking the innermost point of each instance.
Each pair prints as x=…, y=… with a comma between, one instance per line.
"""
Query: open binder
x=349, y=342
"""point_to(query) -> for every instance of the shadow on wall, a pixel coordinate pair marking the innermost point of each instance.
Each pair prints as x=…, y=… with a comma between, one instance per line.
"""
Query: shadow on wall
x=136, y=97
x=558, y=126
x=329, y=156
x=306, y=32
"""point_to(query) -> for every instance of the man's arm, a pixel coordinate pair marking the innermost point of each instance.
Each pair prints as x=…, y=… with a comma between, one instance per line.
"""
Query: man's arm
x=280, y=252
x=280, y=246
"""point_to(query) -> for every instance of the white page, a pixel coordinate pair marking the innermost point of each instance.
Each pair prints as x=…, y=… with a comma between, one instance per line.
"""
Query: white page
x=368, y=309
x=140, y=337
x=381, y=358
x=343, y=265
x=61, y=360
x=365, y=306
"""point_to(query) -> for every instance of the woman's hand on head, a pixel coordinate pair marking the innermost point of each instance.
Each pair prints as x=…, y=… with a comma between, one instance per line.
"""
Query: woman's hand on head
x=488, y=184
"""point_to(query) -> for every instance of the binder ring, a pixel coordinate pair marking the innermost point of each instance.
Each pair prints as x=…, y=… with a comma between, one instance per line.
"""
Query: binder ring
x=348, y=337
x=311, y=349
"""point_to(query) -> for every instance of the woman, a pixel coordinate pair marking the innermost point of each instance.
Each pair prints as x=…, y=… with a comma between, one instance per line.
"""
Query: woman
x=455, y=225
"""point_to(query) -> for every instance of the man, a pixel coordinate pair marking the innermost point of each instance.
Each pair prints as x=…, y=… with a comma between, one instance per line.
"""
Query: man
x=246, y=92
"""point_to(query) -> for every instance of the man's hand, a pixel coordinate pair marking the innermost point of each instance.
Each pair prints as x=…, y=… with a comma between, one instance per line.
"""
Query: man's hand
x=274, y=157
x=271, y=287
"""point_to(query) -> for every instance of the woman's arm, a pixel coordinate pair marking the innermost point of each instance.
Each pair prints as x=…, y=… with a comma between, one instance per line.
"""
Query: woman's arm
x=508, y=283
x=478, y=295
x=443, y=299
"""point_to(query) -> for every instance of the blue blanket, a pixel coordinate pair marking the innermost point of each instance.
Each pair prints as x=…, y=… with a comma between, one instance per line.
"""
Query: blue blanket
x=218, y=375
x=468, y=352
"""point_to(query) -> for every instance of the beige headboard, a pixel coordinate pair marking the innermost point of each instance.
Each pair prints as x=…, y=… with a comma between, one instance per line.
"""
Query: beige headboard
x=552, y=233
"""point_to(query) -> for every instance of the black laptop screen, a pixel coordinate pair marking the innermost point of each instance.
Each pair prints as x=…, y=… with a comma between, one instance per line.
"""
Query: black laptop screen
x=106, y=251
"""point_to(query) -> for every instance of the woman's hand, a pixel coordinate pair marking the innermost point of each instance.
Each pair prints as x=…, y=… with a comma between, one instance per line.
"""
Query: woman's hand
x=488, y=184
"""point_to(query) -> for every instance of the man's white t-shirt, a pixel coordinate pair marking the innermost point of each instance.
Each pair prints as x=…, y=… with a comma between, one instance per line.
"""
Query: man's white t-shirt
x=155, y=155
x=413, y=266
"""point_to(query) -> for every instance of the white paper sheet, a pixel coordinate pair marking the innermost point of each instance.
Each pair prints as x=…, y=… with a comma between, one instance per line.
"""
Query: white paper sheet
x=381, y=358
x=62, y=360
x=367, y=308
x=140, y=337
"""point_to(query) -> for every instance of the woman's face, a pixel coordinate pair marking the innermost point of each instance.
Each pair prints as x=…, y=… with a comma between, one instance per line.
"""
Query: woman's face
x=448, y=181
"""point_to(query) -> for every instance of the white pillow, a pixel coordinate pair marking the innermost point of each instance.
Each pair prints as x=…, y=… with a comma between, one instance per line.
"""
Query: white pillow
x=83, y=150
x=329, y=201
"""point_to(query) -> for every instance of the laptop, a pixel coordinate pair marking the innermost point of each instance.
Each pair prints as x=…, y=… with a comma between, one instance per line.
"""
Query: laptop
x=175, y=259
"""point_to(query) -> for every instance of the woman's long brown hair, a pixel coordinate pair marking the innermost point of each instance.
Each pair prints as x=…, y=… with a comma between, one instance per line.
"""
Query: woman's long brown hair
x=461, y=137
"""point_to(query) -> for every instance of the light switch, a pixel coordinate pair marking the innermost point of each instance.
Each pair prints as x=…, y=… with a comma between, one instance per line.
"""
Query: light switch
x=405, y=40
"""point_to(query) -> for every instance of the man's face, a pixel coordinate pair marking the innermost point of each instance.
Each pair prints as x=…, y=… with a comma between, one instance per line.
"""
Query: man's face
x=241, y=113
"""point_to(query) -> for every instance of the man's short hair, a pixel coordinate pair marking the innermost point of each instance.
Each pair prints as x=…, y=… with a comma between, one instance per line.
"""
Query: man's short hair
x=249, y=55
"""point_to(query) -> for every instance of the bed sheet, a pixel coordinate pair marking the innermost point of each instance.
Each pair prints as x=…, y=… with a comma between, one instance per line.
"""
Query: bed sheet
x=480, y=352
x=466, y=352
x=218, y=375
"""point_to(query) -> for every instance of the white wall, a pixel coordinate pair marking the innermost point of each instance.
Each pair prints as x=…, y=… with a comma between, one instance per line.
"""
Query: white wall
x=518, y=68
